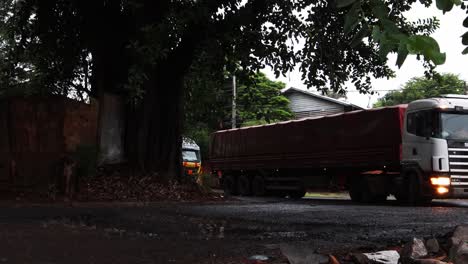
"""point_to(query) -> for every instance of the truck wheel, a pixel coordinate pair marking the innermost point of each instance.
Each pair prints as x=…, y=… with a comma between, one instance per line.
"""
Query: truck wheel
x=411, y=194
x=258, y=186
x=380, y=198
x=298, y=194
x=360, y=192
x=243, y=184
x=229, y=185
x=355, y=191
x=415, y=196
x=366, y=195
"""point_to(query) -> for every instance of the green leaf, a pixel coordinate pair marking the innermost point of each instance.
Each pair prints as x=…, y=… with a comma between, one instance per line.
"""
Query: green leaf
x=344, y=3
x=415, y=45
x=389, y=26
x=465, y=51
x=465, y=22
x=352, y=18
x=385, y=49
x=376, y=33
x=380, y=10
x=418, y=44
x=426, y=46
x=402, y=54
x=445, y=5
x=465, y=39
x=357, y=39
x=436, y=56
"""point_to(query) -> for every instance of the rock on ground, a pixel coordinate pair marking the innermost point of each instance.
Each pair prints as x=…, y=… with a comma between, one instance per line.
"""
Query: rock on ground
x=414, y=249
x=432, y=245
x=381, y=257
x=458, y=245
x=459, y=253
x=297, y=254
x=460, y=234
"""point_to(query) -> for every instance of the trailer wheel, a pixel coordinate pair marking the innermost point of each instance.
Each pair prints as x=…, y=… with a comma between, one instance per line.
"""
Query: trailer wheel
x=229, y=185
x=258, y=186
x=243, y=184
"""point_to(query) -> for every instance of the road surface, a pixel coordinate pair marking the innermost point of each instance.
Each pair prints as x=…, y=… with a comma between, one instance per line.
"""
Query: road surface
x=221, y=232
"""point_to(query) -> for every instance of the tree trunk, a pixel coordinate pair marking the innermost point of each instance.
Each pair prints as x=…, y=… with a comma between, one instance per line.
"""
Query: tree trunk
x=153, y=141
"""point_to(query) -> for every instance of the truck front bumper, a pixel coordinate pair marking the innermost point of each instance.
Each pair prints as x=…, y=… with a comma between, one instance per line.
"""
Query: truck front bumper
x=459, y=192
x=456, y=189
x=454, y=192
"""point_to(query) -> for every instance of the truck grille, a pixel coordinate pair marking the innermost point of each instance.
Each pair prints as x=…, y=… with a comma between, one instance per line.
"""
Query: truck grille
x=458, y=158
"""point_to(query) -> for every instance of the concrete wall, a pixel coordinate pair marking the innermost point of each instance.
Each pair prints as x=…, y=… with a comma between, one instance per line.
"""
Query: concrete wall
x=112, y=127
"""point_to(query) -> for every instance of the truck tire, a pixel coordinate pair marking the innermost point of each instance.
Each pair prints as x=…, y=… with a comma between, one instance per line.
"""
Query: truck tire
x=360, y=192
x=366, y=195
x=415, y=196
x=243, y=184
x=411, y=193
x=355, y=191
x=258, y=186
x=380, y=198
x=296, y=195
x=230, y=185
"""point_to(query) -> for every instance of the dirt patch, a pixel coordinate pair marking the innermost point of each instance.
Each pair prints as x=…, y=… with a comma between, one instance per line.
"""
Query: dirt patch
x=146, y=189
x=118, y=189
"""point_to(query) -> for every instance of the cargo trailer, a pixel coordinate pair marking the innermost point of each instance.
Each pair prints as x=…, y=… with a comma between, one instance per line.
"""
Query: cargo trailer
x=416, y=152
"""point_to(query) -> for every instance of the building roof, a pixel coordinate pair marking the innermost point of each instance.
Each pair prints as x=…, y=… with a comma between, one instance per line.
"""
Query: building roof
x=322, y=97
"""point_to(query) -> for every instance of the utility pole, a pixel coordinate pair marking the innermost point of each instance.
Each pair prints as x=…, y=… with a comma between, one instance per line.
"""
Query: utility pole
x=465, y=88
x=234, y=98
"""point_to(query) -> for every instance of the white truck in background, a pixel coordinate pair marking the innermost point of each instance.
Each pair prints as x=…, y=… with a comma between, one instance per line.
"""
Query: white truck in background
x=191, y=158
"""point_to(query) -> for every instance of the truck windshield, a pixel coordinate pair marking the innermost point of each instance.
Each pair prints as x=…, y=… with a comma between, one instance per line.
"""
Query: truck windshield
x=454, y=126
x=190, y=155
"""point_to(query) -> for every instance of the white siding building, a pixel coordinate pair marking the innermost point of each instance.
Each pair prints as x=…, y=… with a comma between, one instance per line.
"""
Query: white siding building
x=307, y=104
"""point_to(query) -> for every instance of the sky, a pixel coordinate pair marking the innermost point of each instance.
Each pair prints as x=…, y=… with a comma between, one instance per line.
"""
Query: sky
x=449, y=38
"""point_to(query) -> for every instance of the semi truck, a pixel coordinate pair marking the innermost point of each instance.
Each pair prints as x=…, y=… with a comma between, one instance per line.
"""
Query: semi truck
x=415, y=152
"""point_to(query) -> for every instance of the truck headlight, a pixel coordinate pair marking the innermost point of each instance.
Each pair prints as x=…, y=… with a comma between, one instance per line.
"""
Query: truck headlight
x=440, y=181
x=442, y=190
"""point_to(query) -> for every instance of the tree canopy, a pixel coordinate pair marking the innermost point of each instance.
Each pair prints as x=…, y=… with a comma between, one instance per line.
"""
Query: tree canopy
x=54, y=38
x=208, y=103
x=260, y=99
x=421, y=87
x=146, y=49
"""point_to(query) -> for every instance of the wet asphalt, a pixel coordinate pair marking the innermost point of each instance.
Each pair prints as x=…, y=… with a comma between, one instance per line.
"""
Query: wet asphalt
x=239, y=226
x=333, y=224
